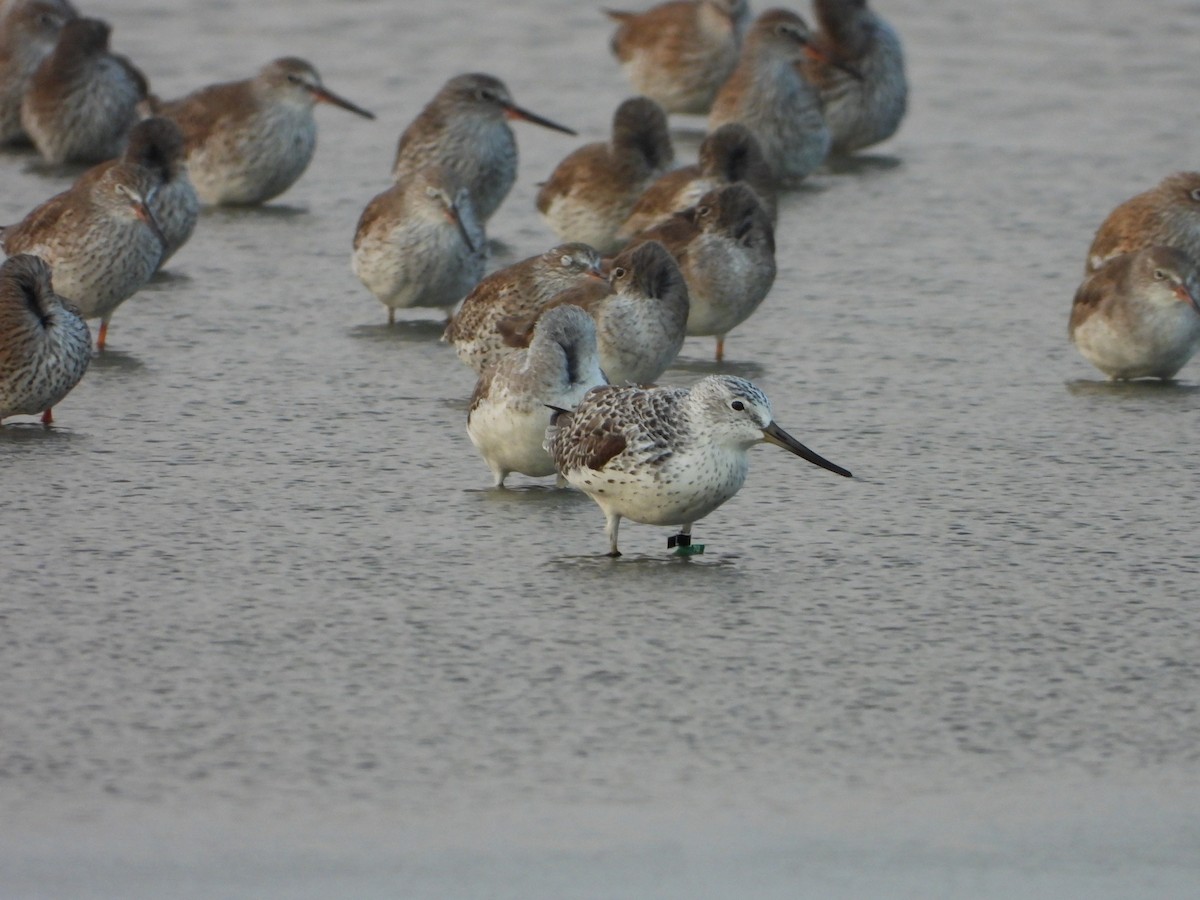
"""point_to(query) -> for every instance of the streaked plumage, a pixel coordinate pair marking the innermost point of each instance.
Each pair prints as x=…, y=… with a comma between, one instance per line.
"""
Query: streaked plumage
x=680, y=52
x=156, y=144
x=666, y=455
x=768, y=94
x=590, y=193
x=45, y=347
x=725, y=247
x=99, y=238
x=641, y=314
x=729, y=155
x=249, y=141
x=419, y=243
x=1138, y=316
x=510, y=409
x=82, y=100
x=858, y=67
x=516, y=290
x=28, y=32
x=465, y=128
x=1168, y=214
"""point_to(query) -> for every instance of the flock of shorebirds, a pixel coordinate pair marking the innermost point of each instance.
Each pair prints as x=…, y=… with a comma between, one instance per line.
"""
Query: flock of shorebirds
x=566, y=343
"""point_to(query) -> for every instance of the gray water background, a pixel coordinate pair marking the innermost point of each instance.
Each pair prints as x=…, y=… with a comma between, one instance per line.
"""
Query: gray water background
x=266, y=632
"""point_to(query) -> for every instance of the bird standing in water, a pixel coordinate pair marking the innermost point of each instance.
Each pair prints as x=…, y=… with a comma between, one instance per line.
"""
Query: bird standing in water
x=665, y=455
x=465, y=128
x=249, y=141
x=419, y=243
x=590, y=193
x=45, y=347
x=28, y=32
x=1138, y=316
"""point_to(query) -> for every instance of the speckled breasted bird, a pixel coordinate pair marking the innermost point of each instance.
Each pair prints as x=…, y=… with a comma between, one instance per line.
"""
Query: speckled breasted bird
x=1168, y=214
x=857, y=64
x=666, y=455
x=516, y=290
x=510, y=409
x=1138, y=316
x=419, y=243
x=45, y=347
x=249, y=141
x=156, y=145
x=82, y=99
x=680, y=52
x=465, y=128
x=641, y=315
x=590, y=193
x=99, y=238
x=28, y=32
x=729, y=155
x=725, y=247
x=768, y=94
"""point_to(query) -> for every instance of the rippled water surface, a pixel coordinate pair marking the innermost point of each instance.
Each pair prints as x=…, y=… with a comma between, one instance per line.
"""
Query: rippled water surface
x=266, y=632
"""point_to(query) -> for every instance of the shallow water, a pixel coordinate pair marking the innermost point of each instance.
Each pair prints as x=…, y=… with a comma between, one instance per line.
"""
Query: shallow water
x=266, y=631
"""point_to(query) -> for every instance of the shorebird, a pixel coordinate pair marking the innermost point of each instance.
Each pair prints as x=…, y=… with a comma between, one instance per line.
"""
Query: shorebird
x=249, y=141
x=28, y=32
x=679, y=53
x=510, y=409
x=82, y=100
x=464, y=128
x=419, y=243
x=516, y=290
x=858, y=67
x=666, y=455
x=1167, y=214
x=641, y=315
x=590, y=193
x=156, y=145
x=45, y=347
x=729, y=155
x=1138, y=316
x=99, y=238
x=725, y=246
x=768, y=94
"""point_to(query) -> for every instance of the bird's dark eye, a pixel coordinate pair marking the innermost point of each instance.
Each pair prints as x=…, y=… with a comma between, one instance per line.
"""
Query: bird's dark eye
x=1159, y=274
x=738, y=405
x=703, y=211
x=618, y=272
x=294, y=79
x=1196, y=194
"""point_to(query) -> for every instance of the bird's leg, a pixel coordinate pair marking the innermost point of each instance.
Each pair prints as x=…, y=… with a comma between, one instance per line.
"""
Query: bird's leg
x=720, y=348
x=611, y=524
x=47, y=418
x=391, y=316
x=682, y=542
x=103, y=335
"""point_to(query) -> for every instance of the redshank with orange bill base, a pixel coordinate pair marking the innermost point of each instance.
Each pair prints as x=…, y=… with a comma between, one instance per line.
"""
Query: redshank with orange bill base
x=465, y=128
x=1138, y=316
x=641, y=315
x=1167, y=214
x=45, y=347
x=99, y=238
x=679, y=53
x=725, y=246
x=857, y=64
x=666, y=455
x=249, y=141
x=769, y=95
x=82, y=99
x=28, y=32
x=419, y=243
x=729, y=155
x=510, y=409
x=516, y=290
x=590, y=193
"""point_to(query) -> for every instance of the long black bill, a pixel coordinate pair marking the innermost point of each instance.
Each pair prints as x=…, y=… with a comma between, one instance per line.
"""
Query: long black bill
x=327, y=96
x=773, y=434
x=515, y=112
x=452, y=212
